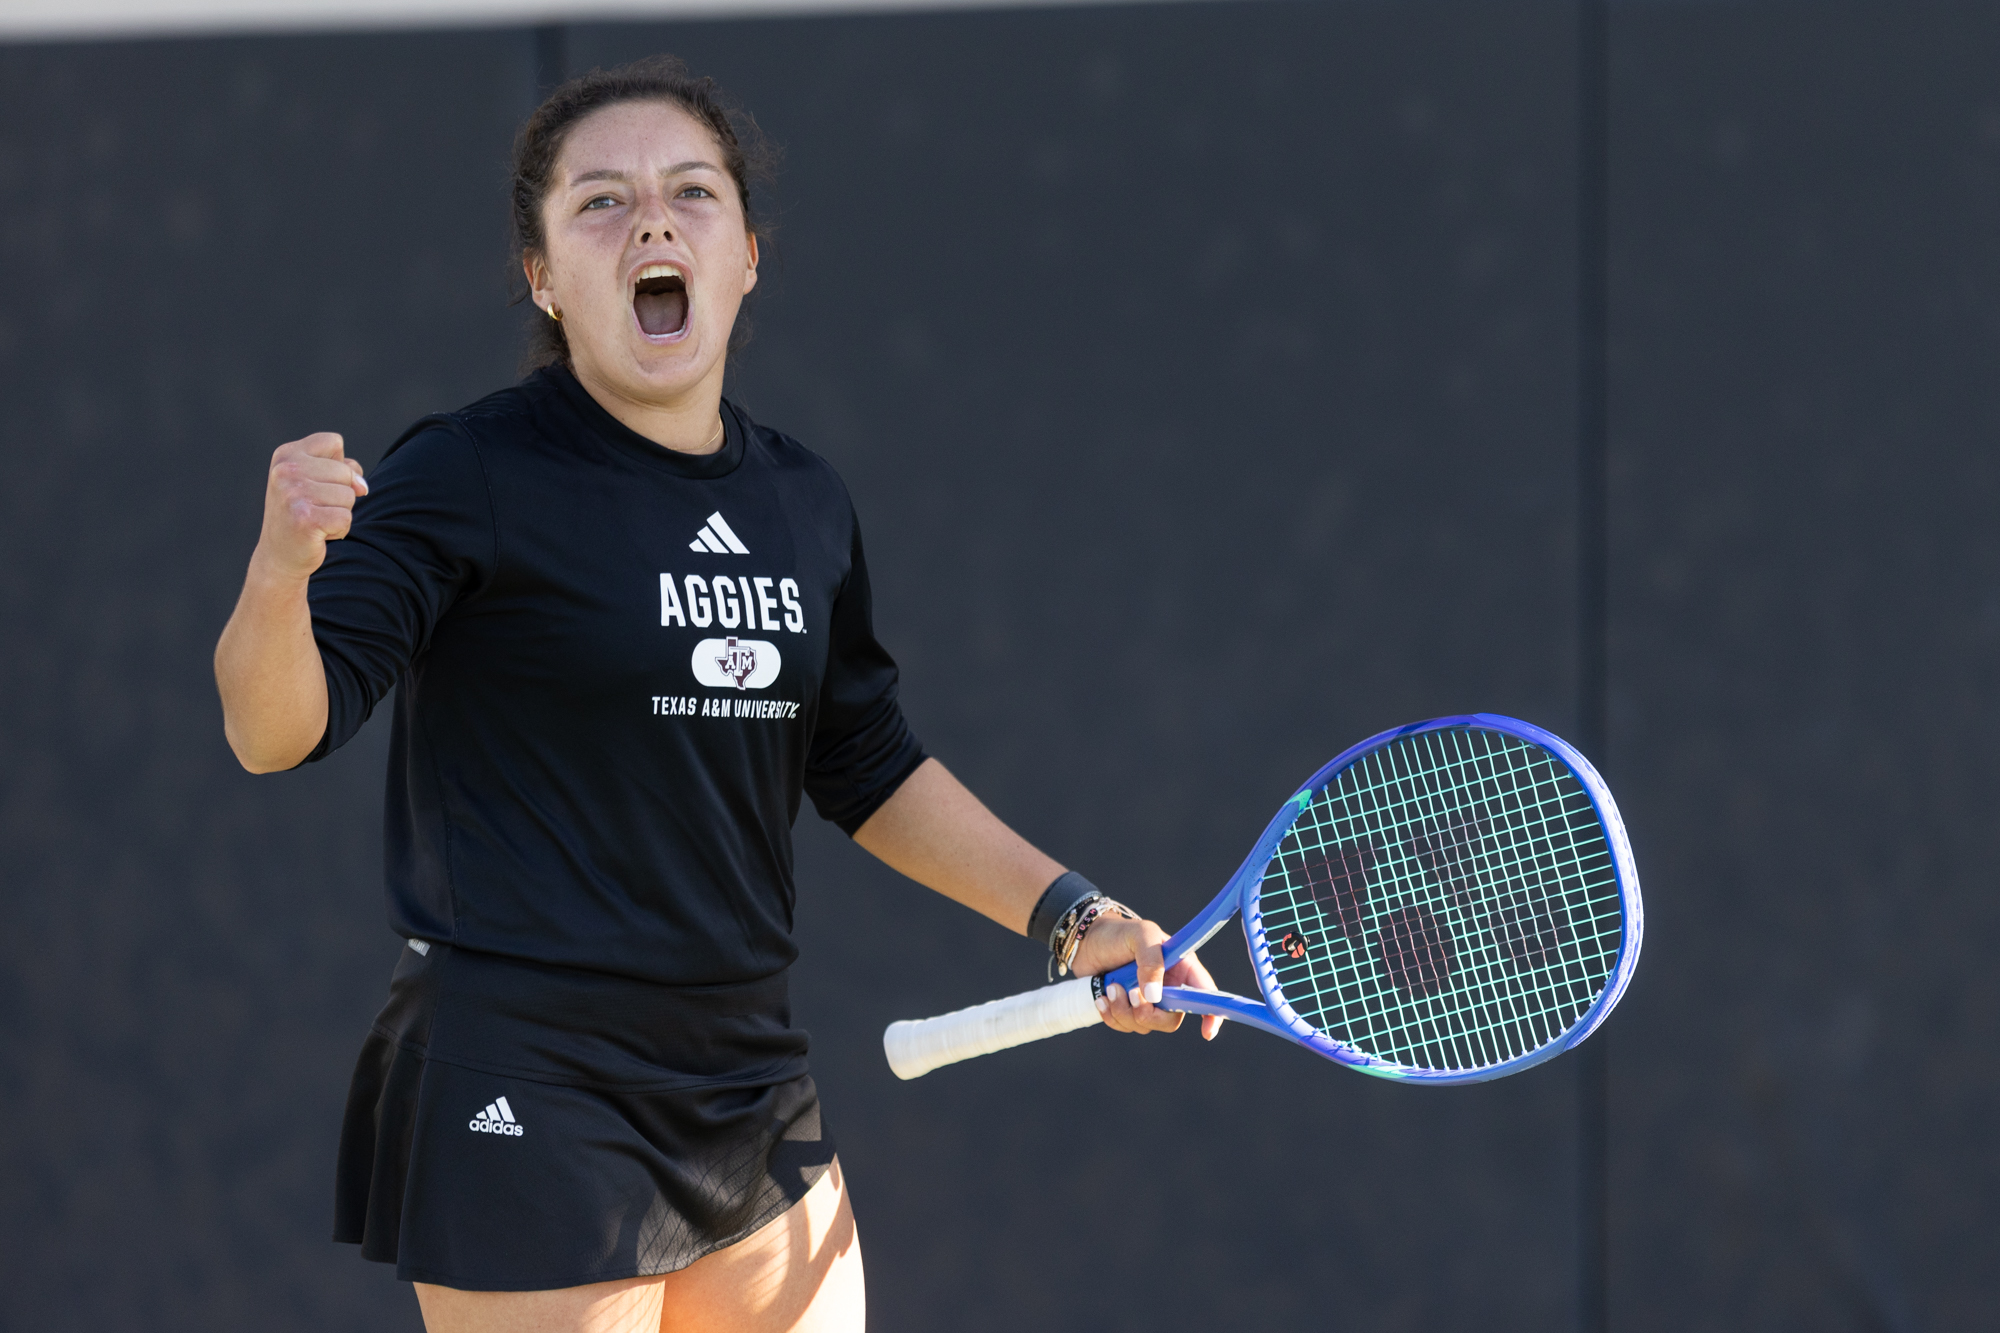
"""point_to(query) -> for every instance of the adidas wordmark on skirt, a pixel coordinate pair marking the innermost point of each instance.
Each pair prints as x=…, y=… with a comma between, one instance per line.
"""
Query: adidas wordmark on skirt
x=514, y=1126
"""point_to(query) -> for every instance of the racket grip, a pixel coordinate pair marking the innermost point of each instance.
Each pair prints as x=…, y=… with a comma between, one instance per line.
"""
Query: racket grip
x=915, y=1047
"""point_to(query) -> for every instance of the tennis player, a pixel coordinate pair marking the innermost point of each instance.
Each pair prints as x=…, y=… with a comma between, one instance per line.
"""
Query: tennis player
x=629, y=627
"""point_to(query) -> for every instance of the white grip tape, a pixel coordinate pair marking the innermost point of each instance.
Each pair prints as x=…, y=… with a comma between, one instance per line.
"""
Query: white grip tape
x=918, y=1046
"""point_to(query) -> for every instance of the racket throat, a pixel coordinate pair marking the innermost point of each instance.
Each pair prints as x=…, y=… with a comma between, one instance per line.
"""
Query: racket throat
x=1205, y=927
x=1254, y=1013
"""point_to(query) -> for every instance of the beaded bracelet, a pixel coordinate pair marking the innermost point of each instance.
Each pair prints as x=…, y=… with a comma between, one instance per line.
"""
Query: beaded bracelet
x=1076, y=923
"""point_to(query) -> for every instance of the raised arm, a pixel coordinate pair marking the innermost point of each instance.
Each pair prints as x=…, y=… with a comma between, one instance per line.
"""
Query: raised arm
x=940, y=835
x=267, y=666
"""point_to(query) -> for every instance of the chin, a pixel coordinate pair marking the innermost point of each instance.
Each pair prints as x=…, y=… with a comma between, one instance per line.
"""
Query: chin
x=668, y=371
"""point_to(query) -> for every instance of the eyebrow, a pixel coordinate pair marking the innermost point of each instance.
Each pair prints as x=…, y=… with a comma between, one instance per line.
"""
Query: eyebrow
x=612, y=174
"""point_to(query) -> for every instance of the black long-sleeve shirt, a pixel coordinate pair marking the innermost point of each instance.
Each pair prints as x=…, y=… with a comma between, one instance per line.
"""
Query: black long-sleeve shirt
x=619, y=666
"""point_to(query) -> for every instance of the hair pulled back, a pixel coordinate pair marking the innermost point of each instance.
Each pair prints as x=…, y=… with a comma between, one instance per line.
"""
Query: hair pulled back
x=746, y=154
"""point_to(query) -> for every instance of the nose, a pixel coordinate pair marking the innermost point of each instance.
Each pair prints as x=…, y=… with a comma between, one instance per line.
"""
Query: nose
x=651, y=224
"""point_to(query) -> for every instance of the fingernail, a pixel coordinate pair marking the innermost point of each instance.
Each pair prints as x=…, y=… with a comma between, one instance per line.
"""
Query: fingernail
x=1115, y=991
x=1153, y=992
x=1101, y=1005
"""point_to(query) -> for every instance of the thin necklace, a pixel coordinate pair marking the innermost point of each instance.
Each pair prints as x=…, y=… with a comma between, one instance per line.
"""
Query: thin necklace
x=713, y=438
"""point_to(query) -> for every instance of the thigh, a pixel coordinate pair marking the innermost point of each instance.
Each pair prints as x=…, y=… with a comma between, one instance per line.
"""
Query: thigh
x=631, y=1305
x=800, y=1273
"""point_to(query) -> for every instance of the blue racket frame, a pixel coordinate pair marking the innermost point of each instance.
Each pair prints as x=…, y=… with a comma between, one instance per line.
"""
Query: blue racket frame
x=1240, y=896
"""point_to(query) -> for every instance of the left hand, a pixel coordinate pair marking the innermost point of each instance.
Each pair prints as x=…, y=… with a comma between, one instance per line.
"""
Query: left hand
x=1112, y=942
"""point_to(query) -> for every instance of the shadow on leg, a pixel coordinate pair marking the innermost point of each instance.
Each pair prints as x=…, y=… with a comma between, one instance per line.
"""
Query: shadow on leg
x=799, y=1273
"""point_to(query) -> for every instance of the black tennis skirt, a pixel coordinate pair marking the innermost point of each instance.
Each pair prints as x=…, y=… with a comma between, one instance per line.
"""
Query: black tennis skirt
x=518, y=1127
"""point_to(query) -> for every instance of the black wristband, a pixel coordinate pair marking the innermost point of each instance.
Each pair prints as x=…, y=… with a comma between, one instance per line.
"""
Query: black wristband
x=1068, y=890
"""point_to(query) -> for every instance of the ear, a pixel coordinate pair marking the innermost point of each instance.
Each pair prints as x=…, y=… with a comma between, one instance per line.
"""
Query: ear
x=750, y=272
x=541, y=283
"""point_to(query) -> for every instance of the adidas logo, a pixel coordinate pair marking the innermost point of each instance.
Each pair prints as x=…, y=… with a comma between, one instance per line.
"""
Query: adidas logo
x=497, y=1118
x=715, y=536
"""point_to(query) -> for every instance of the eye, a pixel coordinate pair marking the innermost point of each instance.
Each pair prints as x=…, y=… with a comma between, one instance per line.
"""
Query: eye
x=600, y=201
x=696, y=192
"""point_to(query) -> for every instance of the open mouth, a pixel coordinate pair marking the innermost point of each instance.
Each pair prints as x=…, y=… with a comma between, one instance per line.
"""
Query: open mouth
x=660, y=301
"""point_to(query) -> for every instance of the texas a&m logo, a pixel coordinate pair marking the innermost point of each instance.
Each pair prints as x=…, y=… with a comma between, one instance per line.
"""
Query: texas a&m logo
x=733, y=663
x=738, y=661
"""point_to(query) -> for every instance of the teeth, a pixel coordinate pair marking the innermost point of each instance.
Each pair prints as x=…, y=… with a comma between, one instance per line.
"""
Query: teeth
x=658, y=271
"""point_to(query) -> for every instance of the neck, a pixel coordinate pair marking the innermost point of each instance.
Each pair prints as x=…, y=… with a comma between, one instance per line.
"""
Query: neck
x=688, y=423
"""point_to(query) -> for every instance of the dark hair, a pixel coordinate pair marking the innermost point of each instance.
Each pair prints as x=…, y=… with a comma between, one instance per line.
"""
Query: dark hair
x=746, y=154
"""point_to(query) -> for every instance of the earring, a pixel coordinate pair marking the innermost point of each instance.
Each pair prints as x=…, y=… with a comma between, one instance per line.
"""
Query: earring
x=554, y=315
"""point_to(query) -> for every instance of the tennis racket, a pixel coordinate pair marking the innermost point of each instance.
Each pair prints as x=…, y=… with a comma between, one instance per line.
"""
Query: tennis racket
x=1447, y=902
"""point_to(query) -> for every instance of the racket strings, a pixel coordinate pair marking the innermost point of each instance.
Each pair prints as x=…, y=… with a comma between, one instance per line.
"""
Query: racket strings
x=1417, y=951
x=1445, y=1021
x=1449, y=902
x=1427, y=1023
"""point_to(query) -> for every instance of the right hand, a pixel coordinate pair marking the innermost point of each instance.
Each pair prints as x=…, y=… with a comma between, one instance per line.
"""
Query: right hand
x=308, y=502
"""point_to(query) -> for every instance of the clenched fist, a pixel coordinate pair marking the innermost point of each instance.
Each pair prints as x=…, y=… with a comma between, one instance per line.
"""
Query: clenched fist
x=308, y=502
x=267, y=665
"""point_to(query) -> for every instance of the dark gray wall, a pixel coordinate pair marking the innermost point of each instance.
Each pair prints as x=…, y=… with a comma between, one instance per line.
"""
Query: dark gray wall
x=1204, y=376
x=1805, y=296
x=215, y=247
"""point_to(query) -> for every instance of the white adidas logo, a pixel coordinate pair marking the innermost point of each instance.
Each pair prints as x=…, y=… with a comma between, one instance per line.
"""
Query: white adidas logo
x=497, y=1118
x=715, y=536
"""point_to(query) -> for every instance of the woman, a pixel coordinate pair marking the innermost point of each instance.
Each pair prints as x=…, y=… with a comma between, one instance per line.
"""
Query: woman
x=630, y=627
